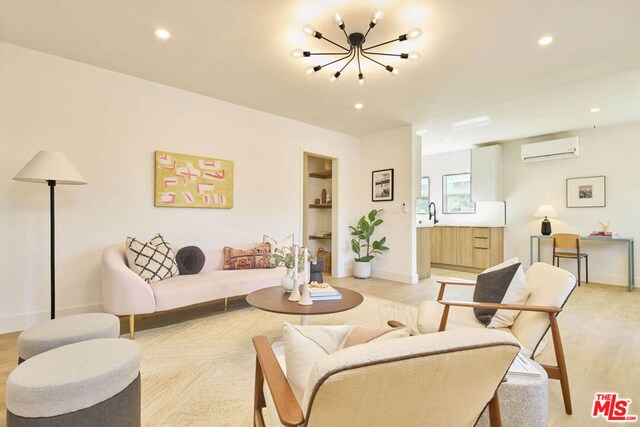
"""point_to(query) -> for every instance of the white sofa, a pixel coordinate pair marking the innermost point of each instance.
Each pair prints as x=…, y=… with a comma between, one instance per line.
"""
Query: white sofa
x=126, y=293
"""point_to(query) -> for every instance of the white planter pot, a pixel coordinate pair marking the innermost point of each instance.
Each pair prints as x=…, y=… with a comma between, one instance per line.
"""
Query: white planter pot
x=362, y=270
x=287, y=281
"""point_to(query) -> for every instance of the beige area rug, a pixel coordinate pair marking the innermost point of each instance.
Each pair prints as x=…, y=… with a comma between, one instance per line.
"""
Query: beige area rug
x=201, y=372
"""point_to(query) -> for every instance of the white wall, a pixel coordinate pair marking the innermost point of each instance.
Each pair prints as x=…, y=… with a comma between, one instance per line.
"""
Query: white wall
x=109, y=125
x=611, y=151
x=394, y=149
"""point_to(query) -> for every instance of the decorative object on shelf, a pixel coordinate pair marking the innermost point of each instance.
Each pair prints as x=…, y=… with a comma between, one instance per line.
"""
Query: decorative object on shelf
x=382, y=185
x=52, y=168
x=187, y=181
x=316, y=270
x=546, y=212
x=362, y=232
x=328, y=198
x=295, y=291
x=587, y=192
x=317, y=201
x=305, y=297
x=323, y=196
x=356, y=49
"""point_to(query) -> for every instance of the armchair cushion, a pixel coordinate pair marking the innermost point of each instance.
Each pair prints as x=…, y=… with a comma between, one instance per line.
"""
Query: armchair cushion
x=304, y=345
x=505, y=283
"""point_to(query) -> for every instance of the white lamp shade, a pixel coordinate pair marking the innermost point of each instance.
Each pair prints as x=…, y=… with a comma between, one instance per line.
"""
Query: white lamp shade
x=50, y=166
x=545, y=210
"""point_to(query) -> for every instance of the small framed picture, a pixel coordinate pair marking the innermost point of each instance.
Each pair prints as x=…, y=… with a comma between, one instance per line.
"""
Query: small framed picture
x=382, y=185
x=587, y=192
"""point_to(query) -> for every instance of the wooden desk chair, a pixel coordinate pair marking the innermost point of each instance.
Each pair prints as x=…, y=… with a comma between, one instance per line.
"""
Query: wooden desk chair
x=573, y=242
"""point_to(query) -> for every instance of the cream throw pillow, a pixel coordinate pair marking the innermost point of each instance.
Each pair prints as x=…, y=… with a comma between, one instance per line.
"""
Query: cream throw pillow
x=517, y=293
x=287, y=241
x=304, y=345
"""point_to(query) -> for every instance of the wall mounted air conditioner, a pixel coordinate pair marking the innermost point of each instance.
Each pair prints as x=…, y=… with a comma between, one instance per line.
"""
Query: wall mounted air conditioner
x=565, y=148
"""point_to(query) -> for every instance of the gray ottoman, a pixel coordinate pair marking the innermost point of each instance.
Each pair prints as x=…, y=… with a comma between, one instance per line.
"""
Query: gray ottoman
x=51, y=334
x=523, y=401
x=90, y=383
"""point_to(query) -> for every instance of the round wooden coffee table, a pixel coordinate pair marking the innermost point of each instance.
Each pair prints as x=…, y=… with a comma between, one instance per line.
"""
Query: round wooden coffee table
x=276, y=300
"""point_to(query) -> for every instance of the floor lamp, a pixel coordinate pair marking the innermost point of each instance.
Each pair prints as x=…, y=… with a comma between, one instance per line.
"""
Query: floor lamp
x=52, y=168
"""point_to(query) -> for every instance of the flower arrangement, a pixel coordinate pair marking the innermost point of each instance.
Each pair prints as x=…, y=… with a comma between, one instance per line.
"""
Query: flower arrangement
x=284, y=257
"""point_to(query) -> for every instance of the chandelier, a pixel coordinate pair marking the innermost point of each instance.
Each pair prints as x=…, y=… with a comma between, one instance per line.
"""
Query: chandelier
x=356, y=49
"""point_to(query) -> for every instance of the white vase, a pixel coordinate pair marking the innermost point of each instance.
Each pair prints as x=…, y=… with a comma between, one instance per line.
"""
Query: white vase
x=287, y=280
x=362, y=270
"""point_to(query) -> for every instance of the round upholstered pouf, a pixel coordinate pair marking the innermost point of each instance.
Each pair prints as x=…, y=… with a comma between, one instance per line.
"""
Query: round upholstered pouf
x=190, y=260
x=95, y=382
x=523, y=400
x=54, y=333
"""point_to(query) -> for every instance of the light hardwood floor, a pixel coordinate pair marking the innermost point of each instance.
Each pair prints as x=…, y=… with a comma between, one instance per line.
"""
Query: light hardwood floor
x=600, y=328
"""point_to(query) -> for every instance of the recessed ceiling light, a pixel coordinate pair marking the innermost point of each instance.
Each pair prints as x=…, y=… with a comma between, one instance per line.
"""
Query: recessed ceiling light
x=163, y=34
x=358, y=106
x=594, y=110
x=545, y=40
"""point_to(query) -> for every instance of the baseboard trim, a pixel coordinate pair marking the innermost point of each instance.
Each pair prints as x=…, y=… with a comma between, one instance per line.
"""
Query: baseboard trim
x=20, y=322
x=395, y=276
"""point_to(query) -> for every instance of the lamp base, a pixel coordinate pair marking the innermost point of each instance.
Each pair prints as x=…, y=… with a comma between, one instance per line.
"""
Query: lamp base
x=545, y=230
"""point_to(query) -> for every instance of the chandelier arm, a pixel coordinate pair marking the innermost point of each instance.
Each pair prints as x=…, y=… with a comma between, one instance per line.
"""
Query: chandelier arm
x=336, y=44
x=373, y=60
x=385, y=54
x=359, y=68
x=381, y=44
x=337, y=60
x=320, y=53
x=348, y=62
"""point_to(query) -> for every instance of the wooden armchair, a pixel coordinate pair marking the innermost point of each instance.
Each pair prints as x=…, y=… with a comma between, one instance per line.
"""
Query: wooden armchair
x=550, y=288
x=437, y=379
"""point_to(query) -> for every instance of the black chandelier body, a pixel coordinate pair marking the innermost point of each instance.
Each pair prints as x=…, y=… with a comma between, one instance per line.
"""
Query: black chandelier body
x=356, y=49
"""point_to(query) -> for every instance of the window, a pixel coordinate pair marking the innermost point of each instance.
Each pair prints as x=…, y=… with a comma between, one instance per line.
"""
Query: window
x=456, y=194
x=422, y=204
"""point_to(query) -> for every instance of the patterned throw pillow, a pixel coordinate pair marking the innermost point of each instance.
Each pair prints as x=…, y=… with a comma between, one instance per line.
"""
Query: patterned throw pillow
x=245, y=259
x=153, y=260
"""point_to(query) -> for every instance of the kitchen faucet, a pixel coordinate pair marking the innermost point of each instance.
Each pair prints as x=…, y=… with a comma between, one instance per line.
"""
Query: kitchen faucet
x=432, y=215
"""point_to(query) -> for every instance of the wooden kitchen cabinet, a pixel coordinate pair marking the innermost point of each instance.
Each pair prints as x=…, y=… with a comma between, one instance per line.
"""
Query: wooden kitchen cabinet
x=466, y=248
x=423, y=252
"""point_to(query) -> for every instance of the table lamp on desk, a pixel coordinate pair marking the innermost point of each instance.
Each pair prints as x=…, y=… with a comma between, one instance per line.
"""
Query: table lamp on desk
x=546, y=212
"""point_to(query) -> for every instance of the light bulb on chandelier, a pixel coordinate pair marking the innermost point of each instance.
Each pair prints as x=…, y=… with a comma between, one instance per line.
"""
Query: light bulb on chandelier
x=356, y=49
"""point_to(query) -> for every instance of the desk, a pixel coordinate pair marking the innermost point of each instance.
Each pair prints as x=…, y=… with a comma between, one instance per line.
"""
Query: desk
x=627, y=240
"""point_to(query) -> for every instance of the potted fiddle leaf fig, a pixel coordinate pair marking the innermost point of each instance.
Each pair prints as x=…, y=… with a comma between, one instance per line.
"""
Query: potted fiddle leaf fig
x=362, y=245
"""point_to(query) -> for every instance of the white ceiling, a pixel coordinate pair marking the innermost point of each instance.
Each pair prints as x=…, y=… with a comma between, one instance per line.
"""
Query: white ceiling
x=478, y=58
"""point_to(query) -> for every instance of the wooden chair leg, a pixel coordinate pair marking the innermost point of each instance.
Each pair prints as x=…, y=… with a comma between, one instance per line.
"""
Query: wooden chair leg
x=495, y=419
x=562, y=366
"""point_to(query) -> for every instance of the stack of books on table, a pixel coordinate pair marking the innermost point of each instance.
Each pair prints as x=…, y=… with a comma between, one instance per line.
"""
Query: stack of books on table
x=523, y=366
x=603, y=234
x=323, y=294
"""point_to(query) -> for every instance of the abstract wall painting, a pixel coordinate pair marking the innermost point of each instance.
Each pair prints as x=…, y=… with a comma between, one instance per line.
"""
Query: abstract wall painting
x=186, y=181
